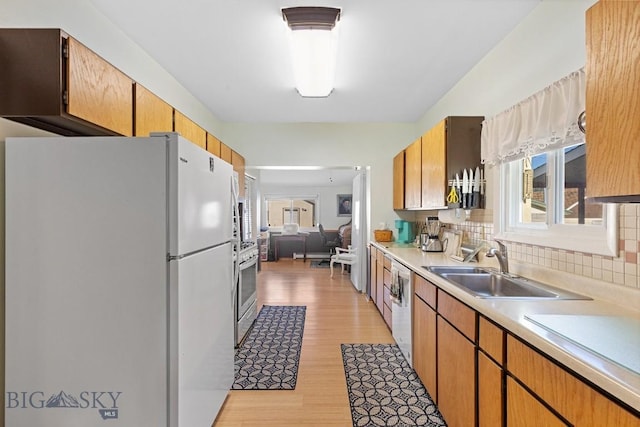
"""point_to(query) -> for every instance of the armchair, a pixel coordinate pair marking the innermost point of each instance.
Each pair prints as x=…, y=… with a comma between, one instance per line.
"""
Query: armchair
x=344, y=257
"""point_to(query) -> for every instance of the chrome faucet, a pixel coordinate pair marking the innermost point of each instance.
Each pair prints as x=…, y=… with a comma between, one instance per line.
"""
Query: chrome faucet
x=502, y=256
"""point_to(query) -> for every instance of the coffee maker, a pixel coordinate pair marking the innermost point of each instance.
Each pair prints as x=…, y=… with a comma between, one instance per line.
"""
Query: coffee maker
x=430, y=241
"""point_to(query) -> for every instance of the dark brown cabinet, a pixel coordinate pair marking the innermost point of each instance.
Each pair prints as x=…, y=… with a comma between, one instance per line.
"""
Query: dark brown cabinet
x=57, y=84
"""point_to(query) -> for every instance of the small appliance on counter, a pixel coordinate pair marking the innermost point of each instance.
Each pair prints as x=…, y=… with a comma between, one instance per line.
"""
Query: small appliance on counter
x=405, y=231
x=430, y=241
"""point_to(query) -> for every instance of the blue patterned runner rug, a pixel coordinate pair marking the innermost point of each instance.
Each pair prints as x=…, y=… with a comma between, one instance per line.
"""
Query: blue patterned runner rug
x=269, y=356
x=384, y=390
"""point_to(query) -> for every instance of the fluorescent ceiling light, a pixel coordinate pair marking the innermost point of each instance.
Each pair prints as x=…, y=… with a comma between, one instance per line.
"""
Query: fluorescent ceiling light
x=313, y=41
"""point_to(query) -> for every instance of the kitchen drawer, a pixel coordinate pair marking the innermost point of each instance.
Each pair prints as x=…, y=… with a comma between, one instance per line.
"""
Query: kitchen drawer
x=491, y=339
x=386, y=314
x=524, y=410
x=458, y=314
x=561, y=390
x=387, y=277
x=425, y=290
x=387, y=296
x=387, y=262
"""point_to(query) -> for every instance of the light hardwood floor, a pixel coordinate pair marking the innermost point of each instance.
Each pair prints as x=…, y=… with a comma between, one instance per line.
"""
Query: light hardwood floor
x=336, y=313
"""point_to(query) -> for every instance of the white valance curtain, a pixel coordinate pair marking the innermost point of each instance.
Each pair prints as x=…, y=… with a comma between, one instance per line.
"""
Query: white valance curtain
x=547, y=118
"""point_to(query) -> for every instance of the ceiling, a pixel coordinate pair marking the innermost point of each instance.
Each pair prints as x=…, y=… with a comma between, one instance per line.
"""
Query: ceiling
x=305, y=176
x=396, y=58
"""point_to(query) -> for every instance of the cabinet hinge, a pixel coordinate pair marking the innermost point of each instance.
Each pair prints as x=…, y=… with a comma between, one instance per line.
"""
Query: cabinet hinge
x=65, y=97
x=65, y=49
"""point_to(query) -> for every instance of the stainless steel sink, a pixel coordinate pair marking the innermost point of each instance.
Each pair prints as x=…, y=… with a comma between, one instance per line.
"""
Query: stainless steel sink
x=455, y=269
x=484, y=283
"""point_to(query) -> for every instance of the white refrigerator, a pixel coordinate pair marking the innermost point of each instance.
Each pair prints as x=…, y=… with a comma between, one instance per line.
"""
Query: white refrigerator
x=118, y=282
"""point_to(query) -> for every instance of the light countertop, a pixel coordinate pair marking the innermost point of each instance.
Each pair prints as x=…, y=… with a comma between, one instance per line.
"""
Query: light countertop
x=621, y=382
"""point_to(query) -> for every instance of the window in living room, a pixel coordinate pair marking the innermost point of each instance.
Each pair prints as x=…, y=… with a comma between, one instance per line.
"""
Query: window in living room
x=292, y=210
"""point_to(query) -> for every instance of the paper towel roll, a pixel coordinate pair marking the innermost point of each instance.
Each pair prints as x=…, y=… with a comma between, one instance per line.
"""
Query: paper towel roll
x=452, y=216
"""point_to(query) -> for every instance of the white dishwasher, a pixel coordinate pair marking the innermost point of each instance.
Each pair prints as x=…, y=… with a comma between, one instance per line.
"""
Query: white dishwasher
x=401, y=296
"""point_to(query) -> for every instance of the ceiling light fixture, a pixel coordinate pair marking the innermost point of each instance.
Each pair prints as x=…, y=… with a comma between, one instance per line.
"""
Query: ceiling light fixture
x=313, y=40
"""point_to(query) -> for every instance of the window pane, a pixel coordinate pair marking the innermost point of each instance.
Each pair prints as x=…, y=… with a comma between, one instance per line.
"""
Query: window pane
x=278, y=212
x=576, y=209
x=291, y=210
x=533, y=210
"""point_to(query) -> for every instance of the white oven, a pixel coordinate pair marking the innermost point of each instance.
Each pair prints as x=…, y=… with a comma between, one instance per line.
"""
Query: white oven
x=245, y=307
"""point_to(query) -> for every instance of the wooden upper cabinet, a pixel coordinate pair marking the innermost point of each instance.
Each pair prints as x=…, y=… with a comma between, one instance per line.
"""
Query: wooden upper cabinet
x=413, y=175
x=97, y=91
x=432, y=160
x=434, y=176
x=462, y=149
x=57, y=84
x=225, y=152
x=190, y=130
x=213, y=145
x=398, y=181
x=152, y=114
x=237, y=161
x=612, y=101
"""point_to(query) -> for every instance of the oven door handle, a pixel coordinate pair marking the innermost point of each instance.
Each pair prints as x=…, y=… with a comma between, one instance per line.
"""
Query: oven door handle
x=246, y=264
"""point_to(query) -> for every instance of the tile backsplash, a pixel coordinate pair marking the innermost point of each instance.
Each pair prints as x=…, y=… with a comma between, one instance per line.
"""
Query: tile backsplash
x=621, y=270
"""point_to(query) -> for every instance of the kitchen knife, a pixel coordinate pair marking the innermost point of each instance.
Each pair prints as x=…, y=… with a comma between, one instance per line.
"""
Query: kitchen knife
x=476, y=189
x=465, y=188
x=458, y=189
x=470, y=189
x=482, y=184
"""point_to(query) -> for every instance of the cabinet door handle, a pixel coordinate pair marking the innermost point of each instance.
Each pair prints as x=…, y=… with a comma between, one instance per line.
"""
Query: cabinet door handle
x=582, y=122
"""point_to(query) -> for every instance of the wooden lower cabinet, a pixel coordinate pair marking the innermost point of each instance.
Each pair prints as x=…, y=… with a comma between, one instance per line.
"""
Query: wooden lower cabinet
x=386, y=280
x=456, y=376
x=373, y=283
x=490, y=392
x=424, y=344
x=380, y=282
x=576, y=401
x=523, y=410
